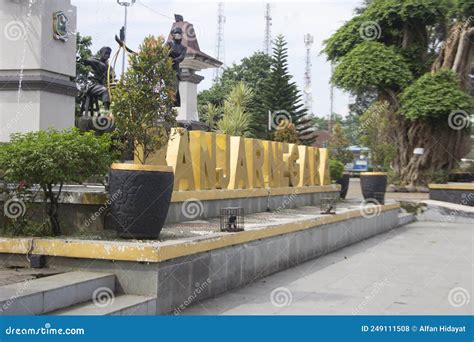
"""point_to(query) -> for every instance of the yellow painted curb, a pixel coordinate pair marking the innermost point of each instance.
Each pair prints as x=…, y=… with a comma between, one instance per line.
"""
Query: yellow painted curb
x=160, y=251
x=451, y=186
x=140, y=167
x=373, y=173
x=209, y=195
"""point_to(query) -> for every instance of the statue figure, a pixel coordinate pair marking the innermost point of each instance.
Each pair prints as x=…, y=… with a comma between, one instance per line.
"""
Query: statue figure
x=97, y=81
x=177, y=54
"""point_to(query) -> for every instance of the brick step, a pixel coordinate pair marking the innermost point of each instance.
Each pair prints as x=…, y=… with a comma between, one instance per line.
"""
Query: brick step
x=122, y=305
x=44, y=295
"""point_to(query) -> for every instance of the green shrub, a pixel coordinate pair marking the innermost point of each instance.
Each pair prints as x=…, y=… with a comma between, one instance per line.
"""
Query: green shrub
x=53, y=158
x=434, y=96
x=336, y=168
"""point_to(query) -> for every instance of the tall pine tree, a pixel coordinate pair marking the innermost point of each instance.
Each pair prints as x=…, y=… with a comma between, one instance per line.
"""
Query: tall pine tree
x=280, y=96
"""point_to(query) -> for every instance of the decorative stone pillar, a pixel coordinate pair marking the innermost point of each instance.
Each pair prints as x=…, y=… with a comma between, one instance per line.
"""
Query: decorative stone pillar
x=37, y=62
x=188, y=91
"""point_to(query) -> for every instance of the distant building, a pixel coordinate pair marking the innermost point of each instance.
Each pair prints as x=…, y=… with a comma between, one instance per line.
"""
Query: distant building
x=322, y=138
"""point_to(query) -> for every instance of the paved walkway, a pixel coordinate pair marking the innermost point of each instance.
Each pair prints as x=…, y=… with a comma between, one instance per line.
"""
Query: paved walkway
x=422, y=268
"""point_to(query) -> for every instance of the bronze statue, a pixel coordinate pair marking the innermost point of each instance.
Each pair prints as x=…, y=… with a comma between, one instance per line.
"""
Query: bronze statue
x=98, y=79
x=177, y=54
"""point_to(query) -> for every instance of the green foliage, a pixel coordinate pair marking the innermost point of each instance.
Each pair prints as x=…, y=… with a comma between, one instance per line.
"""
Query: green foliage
x=143, y=100
x=388, y=18
x=434, y=96
x=83, y=51
x=336, y=169
x=344, y=40
x=286, y=132
x=253, y=71
x=210, y=115
x=375, y=133
x=280, y=94
x=338, y=145
x=53, y=158
x=371, y=66
x=236, y=116
x=437, y=176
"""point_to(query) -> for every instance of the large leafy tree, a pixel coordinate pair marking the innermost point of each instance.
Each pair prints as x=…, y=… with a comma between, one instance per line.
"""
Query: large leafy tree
x=415, y=56
x=282, y=98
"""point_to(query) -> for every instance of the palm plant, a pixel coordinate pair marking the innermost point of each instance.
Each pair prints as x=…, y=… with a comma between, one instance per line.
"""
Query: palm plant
x=236, y=118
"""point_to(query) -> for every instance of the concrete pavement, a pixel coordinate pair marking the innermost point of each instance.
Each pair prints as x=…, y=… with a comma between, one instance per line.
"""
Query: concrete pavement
x=424, y=268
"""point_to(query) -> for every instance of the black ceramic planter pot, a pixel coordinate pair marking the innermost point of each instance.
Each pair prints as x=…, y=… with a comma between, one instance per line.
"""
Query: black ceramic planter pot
x=140, y=197
x=374, y=185
x=344, y=183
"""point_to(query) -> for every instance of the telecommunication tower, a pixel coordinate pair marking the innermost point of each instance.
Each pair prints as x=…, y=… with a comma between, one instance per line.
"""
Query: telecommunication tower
x=267, y=43
x=220, y=46
x=308, y=92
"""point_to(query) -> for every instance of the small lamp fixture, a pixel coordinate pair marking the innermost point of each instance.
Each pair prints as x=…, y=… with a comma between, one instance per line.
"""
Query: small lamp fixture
x=419, y=151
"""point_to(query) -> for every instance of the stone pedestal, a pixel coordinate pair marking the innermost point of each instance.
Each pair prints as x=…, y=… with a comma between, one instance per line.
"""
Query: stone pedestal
x=34, y=56
x=188, y=91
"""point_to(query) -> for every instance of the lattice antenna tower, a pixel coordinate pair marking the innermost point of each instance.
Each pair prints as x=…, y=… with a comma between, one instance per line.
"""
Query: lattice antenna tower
x=267, y=42
x=308, y=92
x=220, y=46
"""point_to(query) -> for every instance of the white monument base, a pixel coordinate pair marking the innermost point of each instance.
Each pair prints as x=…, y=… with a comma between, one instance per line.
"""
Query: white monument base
x=37, y=52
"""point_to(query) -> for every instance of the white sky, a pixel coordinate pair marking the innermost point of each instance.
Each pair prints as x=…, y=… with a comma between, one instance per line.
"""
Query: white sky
x=244, y=32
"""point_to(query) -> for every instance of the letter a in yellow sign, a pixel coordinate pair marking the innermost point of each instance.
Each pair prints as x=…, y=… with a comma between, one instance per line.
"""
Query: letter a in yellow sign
x=313, y=154
x=305, y=171
x=222, y=161
x=179, y=157
x=238, y=165
x=203, y=151
x=255, y=159
x=270, y=171
x=293, y=166
x=324, y=174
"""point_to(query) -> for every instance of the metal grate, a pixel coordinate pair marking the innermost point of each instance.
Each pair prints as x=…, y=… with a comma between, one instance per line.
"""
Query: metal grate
x=232, y=219
x=328, y=205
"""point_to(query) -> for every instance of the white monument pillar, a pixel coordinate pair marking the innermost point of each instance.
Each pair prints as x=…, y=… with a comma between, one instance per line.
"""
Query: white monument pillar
x=37, y=62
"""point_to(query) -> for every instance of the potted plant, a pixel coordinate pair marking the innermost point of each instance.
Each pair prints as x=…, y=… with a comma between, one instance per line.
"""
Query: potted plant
x=339, y=147
x=142, y=104
x=336, y=169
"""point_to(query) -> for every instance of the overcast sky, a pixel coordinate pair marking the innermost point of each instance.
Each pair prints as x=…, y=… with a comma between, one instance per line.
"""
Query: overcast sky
x=244, y=32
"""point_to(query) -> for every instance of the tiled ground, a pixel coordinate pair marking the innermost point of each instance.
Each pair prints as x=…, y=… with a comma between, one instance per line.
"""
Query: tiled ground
x=422, y=268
